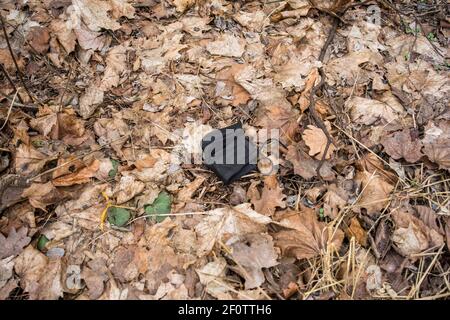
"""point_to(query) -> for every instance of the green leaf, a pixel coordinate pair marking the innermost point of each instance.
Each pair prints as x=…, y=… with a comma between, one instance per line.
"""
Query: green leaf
x=42, y=241
x=321, y=213
x=115, y=164
x=118, y=216
x=161, y=205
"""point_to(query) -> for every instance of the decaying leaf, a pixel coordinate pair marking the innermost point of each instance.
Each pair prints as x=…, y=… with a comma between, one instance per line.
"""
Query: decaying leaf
x=14, y=243
x=375, y=192
x=253, y=253
x=227, y=45
x=367, y=111
x=412, y=236
x=306, y=167
x=82, y=176
x=402, y=145
x=436, y=143
x=227, y=225
x=270, y=198
x=305, y=237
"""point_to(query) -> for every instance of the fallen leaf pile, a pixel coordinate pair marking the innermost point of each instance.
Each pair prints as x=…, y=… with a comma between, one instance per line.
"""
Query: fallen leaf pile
x=99, y=198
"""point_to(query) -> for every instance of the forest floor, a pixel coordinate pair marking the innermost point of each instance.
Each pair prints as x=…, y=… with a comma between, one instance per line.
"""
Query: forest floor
x=100, y=100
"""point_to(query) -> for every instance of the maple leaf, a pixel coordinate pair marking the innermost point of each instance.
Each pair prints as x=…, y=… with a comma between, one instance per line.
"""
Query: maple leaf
x=271, y=197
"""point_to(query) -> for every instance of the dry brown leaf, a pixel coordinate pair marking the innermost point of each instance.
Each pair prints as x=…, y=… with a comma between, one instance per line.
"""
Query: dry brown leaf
x=306, y=167
x=303, y=101
x=85, y=211
x=39, y=38
x=252, y=20
x=334, y=199
x=305, y=236
x=227, y=86
x=62, y=169
x=90, y=100
x=271, y=197
x=115, y=66
x=437, y=143
x=403, y=144
x=40, y=195
x=84, y=175
x=412, y=236
x=145, y=161
x=130, y=262
x=279, y=117
x=185, y=194
x=30, y=265
x=183, y=5
x=211, y=275
x=94, y=13
x=228, y=225
x=367, y=111
x=50, y=283
x=227, y=45
x=127, y=188
x=90, y=40
x=253, y=253
x=355, y=230
x=95, y=275
x=375, y=192
x=316, y=140
x=28, y=160
x=46, y=125
x=63, y=31
x=122, y=8
x=14, y=243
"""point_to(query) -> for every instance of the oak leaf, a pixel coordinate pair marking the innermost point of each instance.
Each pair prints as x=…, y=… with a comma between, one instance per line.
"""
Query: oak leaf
x=316, y=140
x=271, y=197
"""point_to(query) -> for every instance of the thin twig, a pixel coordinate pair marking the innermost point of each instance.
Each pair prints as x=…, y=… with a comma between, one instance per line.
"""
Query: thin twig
x=312, y=103
x=10, y=81
x=21, y=105
x=9, y=111
x=14, y=59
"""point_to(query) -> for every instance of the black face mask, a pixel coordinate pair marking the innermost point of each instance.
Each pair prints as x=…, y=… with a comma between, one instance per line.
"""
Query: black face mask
x=229, y=143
